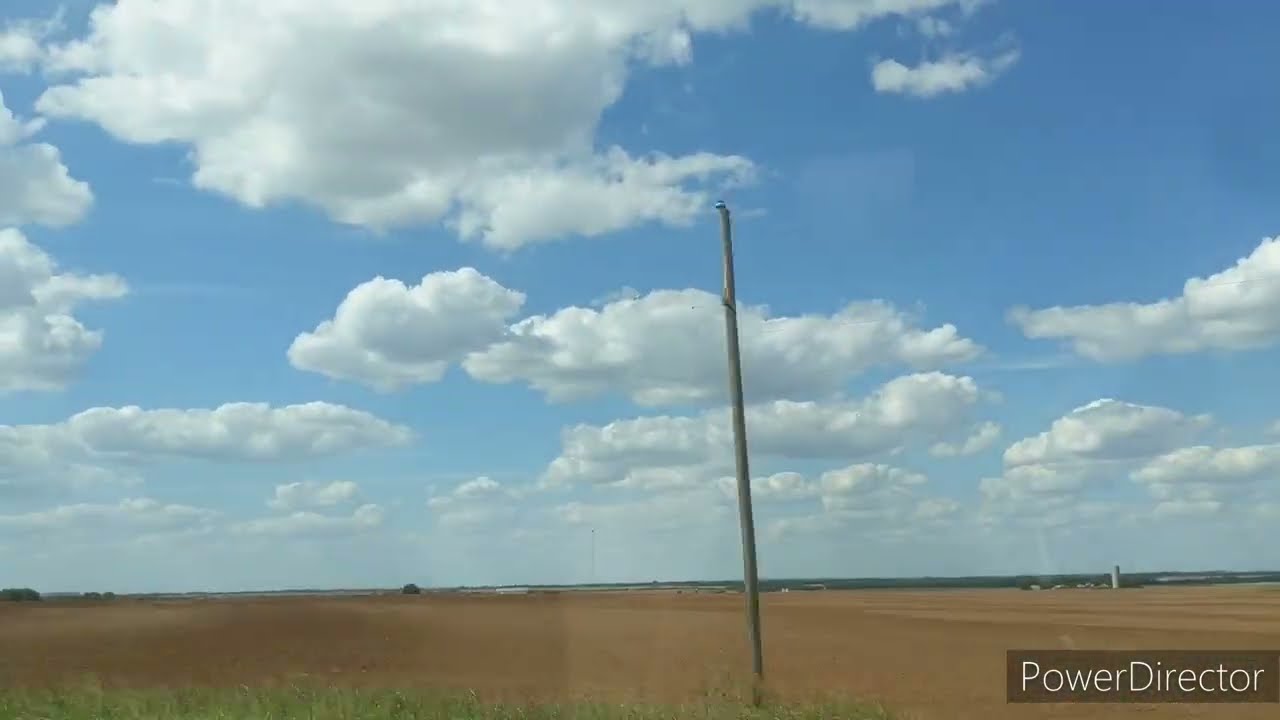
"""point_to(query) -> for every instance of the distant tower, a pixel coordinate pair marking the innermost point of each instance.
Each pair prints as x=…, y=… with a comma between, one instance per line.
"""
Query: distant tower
x=1115, y=578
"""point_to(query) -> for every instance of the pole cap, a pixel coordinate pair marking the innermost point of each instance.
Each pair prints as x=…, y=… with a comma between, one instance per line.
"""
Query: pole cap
x=720, y=205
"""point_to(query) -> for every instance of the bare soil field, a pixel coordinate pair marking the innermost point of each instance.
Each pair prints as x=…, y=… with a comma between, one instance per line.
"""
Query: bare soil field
x=931, y=655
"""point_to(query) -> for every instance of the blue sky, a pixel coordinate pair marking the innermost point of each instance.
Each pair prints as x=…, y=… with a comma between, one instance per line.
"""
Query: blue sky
x=1022, y=302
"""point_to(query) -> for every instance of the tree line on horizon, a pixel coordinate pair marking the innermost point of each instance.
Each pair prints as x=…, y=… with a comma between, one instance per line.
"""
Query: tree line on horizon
x=1024, y=582
x=19, y=595
x=30, y=595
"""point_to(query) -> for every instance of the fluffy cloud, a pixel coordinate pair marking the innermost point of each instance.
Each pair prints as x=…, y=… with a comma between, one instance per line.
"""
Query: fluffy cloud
x=304, y=523
x=983, y=437
x=474, y=504
x=1236, y=309
x=42, y=346
x=298, y=495
x=234, y=431
x=850, y=14
x=833, y=487
x=663, y=347
x=145, y=518
x=20, y=43
x=1032, y=489
x=778, y=487
x=478, y=488
x=668, y=347
x=866, y=500
x=94, y=441
x=1202, y=463
x=133, y=514
x=1107, y=430
x=879, y=498
x=480, y=114
x=35, y=187
x=667, y=451
x=387, y=334
x=1202, y=480
x=1047, y=476
x=951, y=74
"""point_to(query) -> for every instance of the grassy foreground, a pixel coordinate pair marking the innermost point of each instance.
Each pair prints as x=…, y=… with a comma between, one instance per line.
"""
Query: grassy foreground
x=346, y=704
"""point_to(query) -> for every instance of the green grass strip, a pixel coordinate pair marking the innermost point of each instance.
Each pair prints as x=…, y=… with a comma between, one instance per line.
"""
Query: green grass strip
x=303, y=703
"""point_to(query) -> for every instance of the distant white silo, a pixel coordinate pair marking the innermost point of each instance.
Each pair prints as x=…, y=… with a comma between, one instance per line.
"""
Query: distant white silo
x=1115, y=577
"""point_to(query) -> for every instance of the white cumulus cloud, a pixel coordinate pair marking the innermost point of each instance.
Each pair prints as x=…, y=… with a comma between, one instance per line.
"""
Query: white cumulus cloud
x=482, y=488
x=42, y=345
x=863, y=498
x=1048, y=477
x=950, y=74
x=1107, y=429
x=833, y=487
x=299, y=495
x=663, y=347
x=234, y=431
x=479, y=114
x=21, y=44
x=96, y=443
x=387, y=334
x=668, y=347
x=675, y=451
x=477, y=504
x=1204, y=480
x=983, y=437
x=1235, y=309
x=35, y=187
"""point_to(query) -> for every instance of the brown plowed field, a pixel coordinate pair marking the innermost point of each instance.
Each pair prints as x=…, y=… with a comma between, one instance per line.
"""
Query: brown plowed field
x=936, y=655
